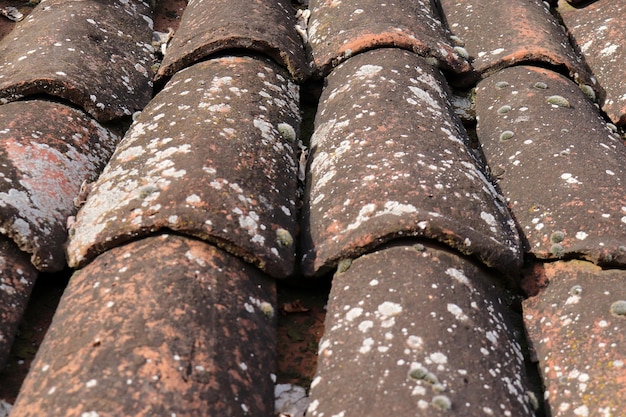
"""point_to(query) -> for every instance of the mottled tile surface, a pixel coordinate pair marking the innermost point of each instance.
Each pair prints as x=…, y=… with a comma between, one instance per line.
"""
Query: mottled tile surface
x=559, y=165
x=388, y=159
x=46, y=151
x=211, y=156
x=94, y=54
x=577, y=326
x=174, y=327
x=414, y=330
x=17, y=277
x=598, y=30
x=338, y=30
x=497, y=34
x=208, y=27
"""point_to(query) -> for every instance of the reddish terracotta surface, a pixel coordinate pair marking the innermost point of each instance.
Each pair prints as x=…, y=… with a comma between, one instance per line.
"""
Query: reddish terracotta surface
x=558, y=164
x=577, y=326
x=212, y=156
x=415, y=330
x=17, y=277
x=192, y=334
x=500, y=34
x=388, y=159
x=338, y=30
x=598, y=31
x=209, y=27
x=111, y=36
x=47, y=150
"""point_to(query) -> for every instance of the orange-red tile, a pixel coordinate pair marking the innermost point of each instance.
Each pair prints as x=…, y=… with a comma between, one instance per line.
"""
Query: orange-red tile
x=164, y=326
x=47, y=150
x=577, y=326
x=338, y=30
x=558, y=164
x=94, y=54
x=214, y=156
x=418, y=331
x=251, y=27
x=389, y=159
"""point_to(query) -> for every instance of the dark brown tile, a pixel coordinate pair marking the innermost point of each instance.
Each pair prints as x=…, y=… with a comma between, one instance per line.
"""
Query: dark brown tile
x=163, y=326
x=577, y=326
x=505, y=33
x=558, y=164
x=17, y=278
x=95, y=54
x=598, y=29
x=338, y=30
x=414, y=330
x=46, y=151
x=211, y=156
x=388, y=160
x=209, y=27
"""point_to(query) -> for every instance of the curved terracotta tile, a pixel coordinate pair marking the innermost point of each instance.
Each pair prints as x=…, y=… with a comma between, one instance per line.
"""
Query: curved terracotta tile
x=558, y=164
x=209, y=27
x=95, y=54
x=164, y=326
x=418, y=331
x=211, y=156
x=338, y=30
x=388, y=159
x=17, y=278
x=598, y=29
x=577, y=327
x=505, y=33
x=46, y=151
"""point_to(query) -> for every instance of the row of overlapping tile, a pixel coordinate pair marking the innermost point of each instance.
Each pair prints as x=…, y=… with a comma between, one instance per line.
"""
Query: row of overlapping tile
x=173, y=309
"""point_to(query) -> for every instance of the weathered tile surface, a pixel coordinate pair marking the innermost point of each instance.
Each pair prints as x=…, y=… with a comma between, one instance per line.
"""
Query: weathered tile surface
x=559, y=165
x=497, y=34
x=414, y=330
x=388, y=159
x=208, y=27
x=577, y=326
x=46, y=151
x=211, y=156
x=598, y=29
x=17, y=277
x=164, y=326
x=338, y=30
x=95, y=54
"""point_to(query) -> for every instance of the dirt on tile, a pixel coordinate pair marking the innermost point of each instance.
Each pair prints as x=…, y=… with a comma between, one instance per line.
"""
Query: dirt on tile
x=300, y=327
x=43, y=302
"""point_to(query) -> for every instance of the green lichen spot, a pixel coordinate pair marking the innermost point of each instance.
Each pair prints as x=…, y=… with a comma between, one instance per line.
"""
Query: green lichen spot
x=501, y=84
x=343, y=265
x=441, y=402
x=576, y=290
x=618, y=308
x=457, y=41
x=462, y=52
x=559, y=101
x=287, y=132
x=557, y=250
x=557, y=237
x=419, y=247
x=588, y=92
x=540, y=85
x=506, y=135
x=284, y=238
x=418, y=373
x=147, y=190
x=504, y=109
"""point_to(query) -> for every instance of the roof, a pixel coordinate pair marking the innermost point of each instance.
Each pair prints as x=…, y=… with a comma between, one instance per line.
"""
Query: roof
x=455, y=170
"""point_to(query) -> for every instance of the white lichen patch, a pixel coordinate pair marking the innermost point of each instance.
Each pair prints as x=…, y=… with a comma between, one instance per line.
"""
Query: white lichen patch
x=389, y=309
